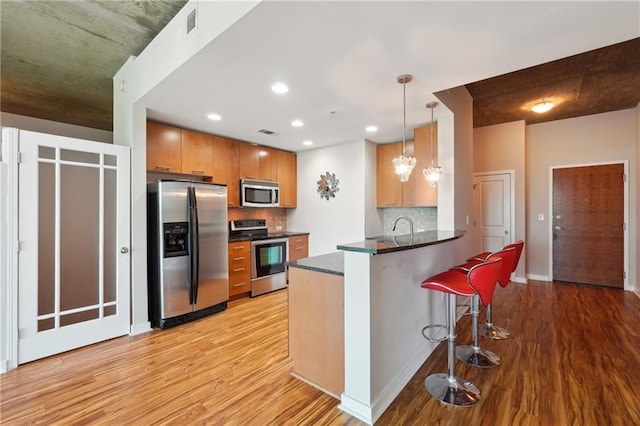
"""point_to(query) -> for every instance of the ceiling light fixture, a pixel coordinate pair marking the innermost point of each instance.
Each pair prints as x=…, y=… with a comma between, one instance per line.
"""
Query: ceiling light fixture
x=541, y=107
x=432, y=173
x=297, y=123
x=371, y=129
x=404, y=164
x=279, y=88
x=214, y=117
x=307, y=143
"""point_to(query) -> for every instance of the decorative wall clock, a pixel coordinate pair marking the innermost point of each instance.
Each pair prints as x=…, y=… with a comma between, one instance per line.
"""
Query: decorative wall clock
x=328, y=185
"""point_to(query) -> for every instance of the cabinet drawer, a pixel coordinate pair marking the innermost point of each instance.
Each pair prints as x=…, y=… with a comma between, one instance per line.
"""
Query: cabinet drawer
x=239, y=267
x=298, y=247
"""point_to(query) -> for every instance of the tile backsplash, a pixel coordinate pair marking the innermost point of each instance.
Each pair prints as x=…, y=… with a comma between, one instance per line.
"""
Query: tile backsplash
x=275, y=217
x=424, y=219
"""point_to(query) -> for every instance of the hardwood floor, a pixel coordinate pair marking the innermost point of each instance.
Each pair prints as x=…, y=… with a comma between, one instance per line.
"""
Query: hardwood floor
x=574, y=358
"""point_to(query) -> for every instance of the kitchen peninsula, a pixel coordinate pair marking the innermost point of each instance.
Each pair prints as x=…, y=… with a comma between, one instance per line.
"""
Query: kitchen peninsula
x=384, y=312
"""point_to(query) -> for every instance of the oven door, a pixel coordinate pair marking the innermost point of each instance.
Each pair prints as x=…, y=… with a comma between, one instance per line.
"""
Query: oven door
x=268, y=257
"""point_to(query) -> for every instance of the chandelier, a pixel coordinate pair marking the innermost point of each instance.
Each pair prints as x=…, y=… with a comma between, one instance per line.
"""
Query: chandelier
x=433, y=172
x=404, y=164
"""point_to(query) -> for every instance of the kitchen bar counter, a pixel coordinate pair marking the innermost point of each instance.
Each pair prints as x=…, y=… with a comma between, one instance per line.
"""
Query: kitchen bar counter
x=394, y=243
x=332, y=263
x=385, y=310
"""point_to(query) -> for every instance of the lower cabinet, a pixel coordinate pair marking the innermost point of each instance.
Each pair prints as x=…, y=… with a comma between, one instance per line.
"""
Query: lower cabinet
x=239, y=267
x=298, y=247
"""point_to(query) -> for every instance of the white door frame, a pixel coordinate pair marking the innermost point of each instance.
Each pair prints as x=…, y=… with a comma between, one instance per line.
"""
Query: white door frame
x=9, y=205
x=512, y=207
x=626, y=214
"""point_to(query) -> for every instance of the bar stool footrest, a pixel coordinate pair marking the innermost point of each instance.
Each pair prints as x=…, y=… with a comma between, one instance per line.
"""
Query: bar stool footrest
x=434, y=326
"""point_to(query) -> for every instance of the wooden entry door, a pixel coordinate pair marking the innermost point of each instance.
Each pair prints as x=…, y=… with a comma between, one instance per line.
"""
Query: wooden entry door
x=588, y=225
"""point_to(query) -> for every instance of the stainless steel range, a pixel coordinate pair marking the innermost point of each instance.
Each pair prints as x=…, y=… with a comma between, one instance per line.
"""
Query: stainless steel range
x=268, y=254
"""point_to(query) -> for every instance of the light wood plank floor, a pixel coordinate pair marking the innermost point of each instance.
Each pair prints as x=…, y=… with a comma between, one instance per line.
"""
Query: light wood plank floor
x=574, y=359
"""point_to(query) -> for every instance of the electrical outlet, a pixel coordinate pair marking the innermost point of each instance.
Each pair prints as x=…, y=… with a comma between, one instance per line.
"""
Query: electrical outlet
x=279, y=228
x=540, y=217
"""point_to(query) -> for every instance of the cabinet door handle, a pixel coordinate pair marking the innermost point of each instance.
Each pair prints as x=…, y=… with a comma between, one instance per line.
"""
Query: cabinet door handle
x=238, y=269
x=238, y=247
x=298, y=248
x=163, y=168
x=238, y=285
x=197, y=172
x=238, y=258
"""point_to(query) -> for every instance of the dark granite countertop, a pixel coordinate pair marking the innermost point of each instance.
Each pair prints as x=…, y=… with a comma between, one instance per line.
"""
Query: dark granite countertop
x=287, y=234
x=392, y=243
x=332, y=263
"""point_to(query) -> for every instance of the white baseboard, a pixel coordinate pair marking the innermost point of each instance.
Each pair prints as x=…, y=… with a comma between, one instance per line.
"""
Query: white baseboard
x=4, y=366
x=520, y=280
x=538, y=277
x=371, y=413
x=143, y=327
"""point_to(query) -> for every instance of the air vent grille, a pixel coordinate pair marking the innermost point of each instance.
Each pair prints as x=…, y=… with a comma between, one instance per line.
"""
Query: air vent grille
x=191, y=21
x=266, y=132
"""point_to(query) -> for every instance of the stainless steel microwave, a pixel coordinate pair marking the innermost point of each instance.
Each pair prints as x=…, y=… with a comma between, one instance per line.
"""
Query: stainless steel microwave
x=258, y=193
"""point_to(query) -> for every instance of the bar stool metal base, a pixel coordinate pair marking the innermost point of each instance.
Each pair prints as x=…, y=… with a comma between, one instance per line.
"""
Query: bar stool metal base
x=452, y=391
x=479, y=357
x=493, y=332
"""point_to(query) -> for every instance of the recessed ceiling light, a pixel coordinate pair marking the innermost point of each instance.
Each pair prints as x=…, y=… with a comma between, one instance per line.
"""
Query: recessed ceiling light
x=297, y=123
x=542, y=107
x=279, y=88
x=371, y=129
x=214, y=117
x=307, y=143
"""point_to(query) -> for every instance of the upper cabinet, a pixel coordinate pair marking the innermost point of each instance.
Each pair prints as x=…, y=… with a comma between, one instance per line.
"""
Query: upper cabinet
x=226, y=167
x=287, y=176
x=416, y=192
x=388, y=185
x=221, y=160
x=249, y=161
x=164, y=148
x=257, y=162
x=197, y=153
x=424, y=195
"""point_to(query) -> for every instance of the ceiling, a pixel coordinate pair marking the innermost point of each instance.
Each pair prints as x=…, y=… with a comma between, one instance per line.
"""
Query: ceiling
x=58, y=59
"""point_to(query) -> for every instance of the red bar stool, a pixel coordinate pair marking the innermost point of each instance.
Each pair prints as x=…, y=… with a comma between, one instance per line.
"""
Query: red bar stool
x=489, y=330
x=473, y=354
x=448, y=388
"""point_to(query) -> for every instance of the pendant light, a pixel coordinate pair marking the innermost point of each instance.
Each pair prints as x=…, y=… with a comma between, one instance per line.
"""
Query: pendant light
x=404, y=164
x=433, y=172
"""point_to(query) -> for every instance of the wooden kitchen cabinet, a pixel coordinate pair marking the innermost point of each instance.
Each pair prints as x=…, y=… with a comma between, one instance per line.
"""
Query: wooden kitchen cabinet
x=388, y=185
x=287, y=177
x=298, y=247
x=239, y=268
x=197, y=153
x=226, y=167
x=164, y=148
x=268, y=164
x=257, y=162
x=419, y=193
x=249, y=160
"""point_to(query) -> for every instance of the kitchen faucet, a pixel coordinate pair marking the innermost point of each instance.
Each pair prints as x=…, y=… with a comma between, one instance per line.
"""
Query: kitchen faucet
x=408, y=220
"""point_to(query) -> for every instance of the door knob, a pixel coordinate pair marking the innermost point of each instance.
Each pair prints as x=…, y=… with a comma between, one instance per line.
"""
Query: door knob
x=124, y=250
x=506, y=232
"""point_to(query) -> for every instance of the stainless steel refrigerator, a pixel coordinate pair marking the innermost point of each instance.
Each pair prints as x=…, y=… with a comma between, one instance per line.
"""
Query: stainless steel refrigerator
x=187, y=251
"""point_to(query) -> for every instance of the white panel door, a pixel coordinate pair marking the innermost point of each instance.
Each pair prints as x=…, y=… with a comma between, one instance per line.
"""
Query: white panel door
x=492, y=211
x=74, y=232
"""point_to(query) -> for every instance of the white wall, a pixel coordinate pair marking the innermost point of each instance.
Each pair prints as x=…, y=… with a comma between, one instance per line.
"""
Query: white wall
x=455, y=155
x=140, y=75
x=337, y=220
x=499, y=148
x=591, y=139
x=54, y=128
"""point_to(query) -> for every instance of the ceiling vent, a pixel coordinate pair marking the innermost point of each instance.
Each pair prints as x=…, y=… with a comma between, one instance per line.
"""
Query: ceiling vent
x=266, y=132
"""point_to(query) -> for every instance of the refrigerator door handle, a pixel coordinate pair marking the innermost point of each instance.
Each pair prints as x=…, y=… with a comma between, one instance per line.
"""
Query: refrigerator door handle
x=195, y=245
